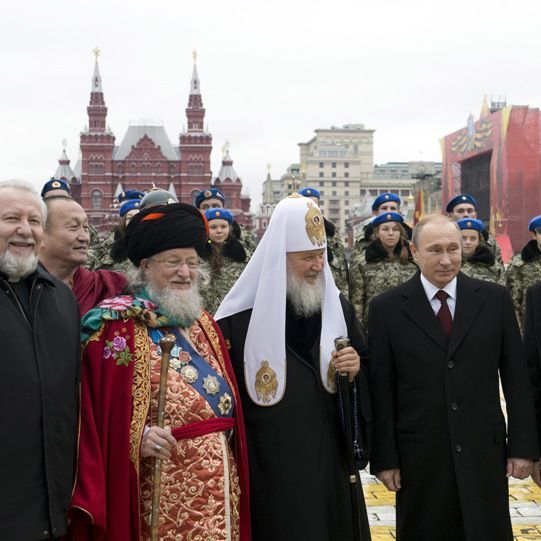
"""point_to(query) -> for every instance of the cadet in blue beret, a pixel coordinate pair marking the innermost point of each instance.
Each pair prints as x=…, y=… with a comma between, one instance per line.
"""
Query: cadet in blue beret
x=385, y=262
x=224, y=258
x=385, y=202
x=462, y=206
x=471, y=230
x=130, y=194
x=478, y=260
x=524, y=270
x=209, y=198
x=55, y=187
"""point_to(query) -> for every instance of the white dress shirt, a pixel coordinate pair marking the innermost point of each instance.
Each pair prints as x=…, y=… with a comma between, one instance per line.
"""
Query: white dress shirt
x=431, y=290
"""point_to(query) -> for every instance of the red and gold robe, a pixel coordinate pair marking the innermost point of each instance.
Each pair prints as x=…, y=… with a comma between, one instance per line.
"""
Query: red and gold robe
x=204, y=489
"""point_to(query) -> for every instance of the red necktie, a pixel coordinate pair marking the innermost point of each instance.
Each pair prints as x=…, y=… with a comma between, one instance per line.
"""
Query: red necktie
x=444, y=314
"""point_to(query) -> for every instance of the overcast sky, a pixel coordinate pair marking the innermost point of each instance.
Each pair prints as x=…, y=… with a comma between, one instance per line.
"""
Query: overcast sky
x=271, y=73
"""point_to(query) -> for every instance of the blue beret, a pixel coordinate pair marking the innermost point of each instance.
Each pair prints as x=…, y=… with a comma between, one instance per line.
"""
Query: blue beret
x=387, y=217
x=310, y=192
x=129, y=204
x=130, y=194
x=209, y=193
x=459, y=200
x=55, y=184
x=534, y=223
x=471, y=223
x=218, y=214
x=385, y=198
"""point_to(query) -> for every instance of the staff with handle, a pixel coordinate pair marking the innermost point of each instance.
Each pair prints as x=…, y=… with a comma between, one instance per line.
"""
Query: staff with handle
x=342, y=384
x=166, y=345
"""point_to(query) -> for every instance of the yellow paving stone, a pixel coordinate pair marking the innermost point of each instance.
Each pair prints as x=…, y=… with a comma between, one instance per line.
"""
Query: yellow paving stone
x=521, y=532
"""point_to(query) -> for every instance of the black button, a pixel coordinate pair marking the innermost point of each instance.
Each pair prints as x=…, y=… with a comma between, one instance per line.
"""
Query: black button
x=458, y=448
x=454, y=406
x=450, y=364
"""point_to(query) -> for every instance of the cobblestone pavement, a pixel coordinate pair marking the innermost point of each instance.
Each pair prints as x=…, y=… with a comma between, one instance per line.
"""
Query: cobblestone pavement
x=524, y=504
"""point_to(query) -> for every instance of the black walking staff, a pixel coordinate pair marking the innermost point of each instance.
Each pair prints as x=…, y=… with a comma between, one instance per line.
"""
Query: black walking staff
x=348, y=421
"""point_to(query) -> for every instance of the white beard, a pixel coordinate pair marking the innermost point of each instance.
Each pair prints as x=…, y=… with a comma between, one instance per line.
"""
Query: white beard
x=182, y=305
x=306, y=298
x=17, y=267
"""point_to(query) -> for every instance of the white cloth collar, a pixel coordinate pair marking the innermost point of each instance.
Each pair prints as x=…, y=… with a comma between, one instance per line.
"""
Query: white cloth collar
x=262, y=287
x=431, y=289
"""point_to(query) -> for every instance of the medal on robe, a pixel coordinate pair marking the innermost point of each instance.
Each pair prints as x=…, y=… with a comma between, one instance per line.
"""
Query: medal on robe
x=266, y=384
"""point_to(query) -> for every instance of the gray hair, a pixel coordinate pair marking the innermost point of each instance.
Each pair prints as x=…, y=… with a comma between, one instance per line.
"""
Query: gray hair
x=430, y=219
x=25, y=186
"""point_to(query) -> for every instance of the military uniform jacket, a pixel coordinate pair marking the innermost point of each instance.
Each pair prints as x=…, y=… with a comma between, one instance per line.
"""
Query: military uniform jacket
x=336, y=257
x=483, y=265
x=373, y=273
x=523, y=271
x=437, y=412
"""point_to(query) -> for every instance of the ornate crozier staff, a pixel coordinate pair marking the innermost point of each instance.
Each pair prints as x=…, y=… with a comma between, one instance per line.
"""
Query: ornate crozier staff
x=166, y=345
x=342, y=384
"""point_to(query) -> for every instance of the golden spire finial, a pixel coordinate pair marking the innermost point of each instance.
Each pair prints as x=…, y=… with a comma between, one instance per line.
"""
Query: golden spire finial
x=269, y=166
x=96, y=52
x=194, y=56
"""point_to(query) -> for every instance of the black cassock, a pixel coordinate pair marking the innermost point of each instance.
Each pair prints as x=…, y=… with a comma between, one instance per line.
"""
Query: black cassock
x=299, y=486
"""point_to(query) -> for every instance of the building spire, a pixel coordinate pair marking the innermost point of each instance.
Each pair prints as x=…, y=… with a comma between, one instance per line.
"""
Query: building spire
x=96, y=78
x=195, y=88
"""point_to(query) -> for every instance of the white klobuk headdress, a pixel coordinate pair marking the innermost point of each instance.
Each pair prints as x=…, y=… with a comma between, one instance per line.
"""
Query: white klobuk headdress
x=296, y=225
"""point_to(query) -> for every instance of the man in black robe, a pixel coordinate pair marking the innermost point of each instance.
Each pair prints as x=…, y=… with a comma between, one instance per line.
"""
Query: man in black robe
x=280, y=321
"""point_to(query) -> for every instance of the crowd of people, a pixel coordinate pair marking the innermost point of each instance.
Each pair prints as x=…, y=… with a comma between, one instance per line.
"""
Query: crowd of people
x=176, y=381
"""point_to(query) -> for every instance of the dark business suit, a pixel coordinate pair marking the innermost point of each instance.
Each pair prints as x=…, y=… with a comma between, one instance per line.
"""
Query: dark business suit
x=437, y=413
x=532, y=345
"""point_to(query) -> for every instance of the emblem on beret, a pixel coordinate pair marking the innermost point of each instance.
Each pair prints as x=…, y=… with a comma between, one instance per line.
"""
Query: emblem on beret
x=189, y=373
x=211, y=385
x=468, y=224
x=389, y=217
x=464, y=198
x=386, y=196
x=217, y=213
x=225, y=404
x=308, y=191
x=207, y=193
x=265, y=382
x=315, y=227
x=56, y=184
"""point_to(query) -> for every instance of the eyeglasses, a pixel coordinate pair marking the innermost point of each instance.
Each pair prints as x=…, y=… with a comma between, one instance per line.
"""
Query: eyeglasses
x=172, y=263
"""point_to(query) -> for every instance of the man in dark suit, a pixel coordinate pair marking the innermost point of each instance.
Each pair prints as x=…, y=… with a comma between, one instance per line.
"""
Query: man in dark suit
x=437, y=343
x=532, y=345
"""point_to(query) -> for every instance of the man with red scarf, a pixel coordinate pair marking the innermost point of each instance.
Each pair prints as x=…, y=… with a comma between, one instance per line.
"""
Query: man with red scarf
x=64, y=250
x=204, y=486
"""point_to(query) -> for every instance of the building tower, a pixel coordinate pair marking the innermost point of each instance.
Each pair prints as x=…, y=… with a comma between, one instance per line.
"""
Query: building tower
x=65, y=172
x=195, y=145
x=97, y=145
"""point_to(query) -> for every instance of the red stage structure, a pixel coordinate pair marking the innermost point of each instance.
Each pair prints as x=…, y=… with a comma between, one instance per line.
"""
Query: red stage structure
x=497, y=159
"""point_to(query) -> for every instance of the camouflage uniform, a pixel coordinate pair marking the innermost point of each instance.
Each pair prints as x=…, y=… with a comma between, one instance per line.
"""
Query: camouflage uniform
x=94, y=250
x=491, y=242
x=523, y=271
x=214, y=286
x=483, y=266
x=336, y=256
x=372, y=273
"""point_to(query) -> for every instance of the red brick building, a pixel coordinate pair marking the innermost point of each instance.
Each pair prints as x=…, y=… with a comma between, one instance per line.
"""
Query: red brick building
x=145, y=158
